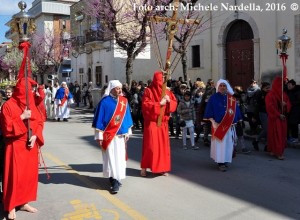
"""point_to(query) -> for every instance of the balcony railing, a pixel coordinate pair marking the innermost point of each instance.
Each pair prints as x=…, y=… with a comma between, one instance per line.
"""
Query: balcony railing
x=94, y=36
x=78, y=41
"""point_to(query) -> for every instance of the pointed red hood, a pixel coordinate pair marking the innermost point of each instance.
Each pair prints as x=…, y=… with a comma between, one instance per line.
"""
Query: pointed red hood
x=156, y=85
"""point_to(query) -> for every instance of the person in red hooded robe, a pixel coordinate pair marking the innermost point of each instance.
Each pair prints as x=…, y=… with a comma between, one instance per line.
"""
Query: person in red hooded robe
x=20, y=178
x=39, y=97
x=156, y=142
x=277, y=106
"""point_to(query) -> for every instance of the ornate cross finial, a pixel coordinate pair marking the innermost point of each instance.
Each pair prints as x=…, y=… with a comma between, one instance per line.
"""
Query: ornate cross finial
x=172, y=23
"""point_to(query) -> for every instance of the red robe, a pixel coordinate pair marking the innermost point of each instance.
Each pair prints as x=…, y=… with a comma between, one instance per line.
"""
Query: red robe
x=21, y=163
x=277, y=128
x=39, y=102
x=156, y=143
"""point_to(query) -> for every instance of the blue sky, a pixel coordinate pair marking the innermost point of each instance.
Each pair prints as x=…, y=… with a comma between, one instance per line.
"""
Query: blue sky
x=7, y=10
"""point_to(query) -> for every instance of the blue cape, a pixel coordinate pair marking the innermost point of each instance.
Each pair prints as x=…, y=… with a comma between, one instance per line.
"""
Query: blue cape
x=216, y=108
x=105, y=110
x=60, y=93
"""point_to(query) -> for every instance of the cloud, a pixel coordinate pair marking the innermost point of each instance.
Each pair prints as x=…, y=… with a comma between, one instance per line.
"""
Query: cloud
x=10, y=7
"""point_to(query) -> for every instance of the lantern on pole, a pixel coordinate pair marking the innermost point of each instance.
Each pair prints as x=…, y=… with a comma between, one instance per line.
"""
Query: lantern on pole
x=23, y=24
x=282, y=44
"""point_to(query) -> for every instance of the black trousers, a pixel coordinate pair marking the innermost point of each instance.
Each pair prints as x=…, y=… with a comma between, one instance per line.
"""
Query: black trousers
x=293, y=130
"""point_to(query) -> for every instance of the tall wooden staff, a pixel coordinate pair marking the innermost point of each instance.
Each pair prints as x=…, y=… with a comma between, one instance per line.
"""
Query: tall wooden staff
x=23, y=26
x=172, y=29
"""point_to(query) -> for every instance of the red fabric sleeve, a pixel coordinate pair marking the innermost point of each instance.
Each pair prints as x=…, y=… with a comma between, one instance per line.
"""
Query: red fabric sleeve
x=272, y=106
x=38, y=131
x=12, y=125
x=173, y=102
x=151, y=109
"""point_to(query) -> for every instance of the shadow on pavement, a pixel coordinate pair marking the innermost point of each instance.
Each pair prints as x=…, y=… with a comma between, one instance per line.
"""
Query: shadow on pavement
x=257, y=177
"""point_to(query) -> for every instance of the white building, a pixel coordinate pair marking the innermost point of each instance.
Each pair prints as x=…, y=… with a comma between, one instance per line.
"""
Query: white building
x=238, y=45
x=51, y=17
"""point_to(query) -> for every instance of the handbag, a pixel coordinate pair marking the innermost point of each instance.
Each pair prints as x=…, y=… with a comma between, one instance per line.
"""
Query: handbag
x=182, y=123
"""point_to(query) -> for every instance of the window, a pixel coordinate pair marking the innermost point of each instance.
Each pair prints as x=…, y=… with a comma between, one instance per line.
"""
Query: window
x=99, y=76
x=90, y=75
x=196, y=56
x=65, y=74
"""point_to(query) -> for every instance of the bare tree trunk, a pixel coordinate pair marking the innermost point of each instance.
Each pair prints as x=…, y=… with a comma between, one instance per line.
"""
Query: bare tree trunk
x=129, y=69
x=184, y=66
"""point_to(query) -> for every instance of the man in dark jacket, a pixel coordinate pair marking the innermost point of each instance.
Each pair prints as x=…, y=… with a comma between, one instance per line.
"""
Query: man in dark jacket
x=293, y=92
x=253, y=92
x=77, y=93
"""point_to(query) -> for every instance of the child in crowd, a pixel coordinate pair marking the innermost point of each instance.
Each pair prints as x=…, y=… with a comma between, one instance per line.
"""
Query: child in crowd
x=186, y=111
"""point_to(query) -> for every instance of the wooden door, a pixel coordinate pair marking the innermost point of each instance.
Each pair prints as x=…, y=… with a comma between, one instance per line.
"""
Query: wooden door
x=239, y=68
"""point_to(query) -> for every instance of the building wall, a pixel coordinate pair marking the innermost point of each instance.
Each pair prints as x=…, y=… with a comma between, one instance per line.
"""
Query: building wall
x=266, y=26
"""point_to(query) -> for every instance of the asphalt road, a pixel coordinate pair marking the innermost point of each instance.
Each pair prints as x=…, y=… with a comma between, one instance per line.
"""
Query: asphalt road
x=256, y=186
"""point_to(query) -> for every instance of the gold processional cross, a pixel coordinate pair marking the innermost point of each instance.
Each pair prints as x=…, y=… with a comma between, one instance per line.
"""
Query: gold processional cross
x=172, y=29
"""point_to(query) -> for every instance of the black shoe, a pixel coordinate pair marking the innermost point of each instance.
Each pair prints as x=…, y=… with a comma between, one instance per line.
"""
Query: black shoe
x=115, y=186
x=111, y=181
x=222, y=167
x=255, y=145
x=65, y=119
x=58, y=119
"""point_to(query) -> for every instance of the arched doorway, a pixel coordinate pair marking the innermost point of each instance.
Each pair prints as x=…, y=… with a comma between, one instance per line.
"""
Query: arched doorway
x=239, y=53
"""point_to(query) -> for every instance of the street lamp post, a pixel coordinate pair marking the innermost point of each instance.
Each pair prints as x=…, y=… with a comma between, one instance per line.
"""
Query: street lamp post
x=23, y=25
x=282, y=44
